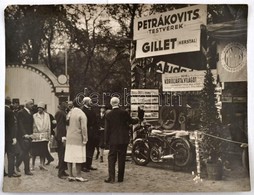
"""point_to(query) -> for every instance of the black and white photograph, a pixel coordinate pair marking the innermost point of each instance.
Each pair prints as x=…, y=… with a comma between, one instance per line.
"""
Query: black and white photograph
x=130, y=97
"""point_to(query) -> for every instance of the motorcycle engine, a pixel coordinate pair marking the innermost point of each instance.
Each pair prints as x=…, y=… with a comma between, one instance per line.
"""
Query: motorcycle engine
x=156, y=153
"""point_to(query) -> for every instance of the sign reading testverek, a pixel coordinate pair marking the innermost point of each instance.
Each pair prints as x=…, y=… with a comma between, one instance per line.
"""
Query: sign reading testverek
x=170, y=32
x=191, y=81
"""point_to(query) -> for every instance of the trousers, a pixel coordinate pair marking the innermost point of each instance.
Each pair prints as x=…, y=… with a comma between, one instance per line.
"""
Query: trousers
x=10, y=151
x=117, y=153
x=61, y=163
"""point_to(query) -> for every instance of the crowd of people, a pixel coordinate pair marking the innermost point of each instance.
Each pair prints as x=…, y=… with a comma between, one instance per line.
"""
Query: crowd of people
x=78, y=131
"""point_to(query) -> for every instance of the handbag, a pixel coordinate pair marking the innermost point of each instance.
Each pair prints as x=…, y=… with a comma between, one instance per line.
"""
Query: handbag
x=53, y=144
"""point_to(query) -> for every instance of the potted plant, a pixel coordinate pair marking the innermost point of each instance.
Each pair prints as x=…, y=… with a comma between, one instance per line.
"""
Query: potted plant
x=210, y=128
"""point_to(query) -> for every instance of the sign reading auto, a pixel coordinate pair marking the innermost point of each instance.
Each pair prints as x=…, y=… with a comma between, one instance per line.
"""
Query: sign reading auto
x=170, y=32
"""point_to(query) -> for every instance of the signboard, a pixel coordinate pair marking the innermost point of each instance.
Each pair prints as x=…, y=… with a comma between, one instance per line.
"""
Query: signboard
x=191, y=81
x=148, y=99
x=147, y=107
x=144, y=92
x=165, y=67
x=175, y=21
x=145, y=100
x=169, y=44
x=147, y=115
x=232, y=64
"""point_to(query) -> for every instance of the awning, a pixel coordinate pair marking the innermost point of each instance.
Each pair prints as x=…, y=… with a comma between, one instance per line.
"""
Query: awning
x=228, y=30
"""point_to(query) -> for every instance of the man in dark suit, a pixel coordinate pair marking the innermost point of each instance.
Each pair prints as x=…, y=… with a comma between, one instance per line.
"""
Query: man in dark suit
x=49, y=157
x=93, y=134
x=10, y=137
x=25, y=126
x=117, y=137
x=61, y=124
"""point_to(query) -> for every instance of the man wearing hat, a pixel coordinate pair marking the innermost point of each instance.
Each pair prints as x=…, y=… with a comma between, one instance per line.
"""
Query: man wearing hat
x=10, y=137
x=93, y=134
x=41, y=134
x=25, y=130
x=117, y=123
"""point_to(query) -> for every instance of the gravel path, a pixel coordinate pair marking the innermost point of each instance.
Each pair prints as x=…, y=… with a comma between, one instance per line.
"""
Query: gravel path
x=150, y=178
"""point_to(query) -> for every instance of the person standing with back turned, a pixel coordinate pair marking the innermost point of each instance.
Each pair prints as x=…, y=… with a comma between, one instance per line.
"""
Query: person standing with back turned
x=93, y=134
x=117, y=137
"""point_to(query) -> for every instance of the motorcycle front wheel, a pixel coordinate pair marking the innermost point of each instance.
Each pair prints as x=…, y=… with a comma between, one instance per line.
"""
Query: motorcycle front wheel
x=182, y=152
x=140, y=153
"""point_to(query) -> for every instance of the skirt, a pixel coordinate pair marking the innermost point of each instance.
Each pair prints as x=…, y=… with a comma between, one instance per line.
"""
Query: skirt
x=75, y=153
x=39, y=148
x=101, y=143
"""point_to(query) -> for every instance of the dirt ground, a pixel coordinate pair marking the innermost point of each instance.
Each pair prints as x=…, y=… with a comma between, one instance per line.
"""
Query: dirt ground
x=150, y=178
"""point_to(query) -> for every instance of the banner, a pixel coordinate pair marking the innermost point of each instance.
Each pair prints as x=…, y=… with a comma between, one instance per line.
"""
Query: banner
x=165, y=67
x=232, y=65
x=191, y=81
x=175, y=21
x=169, y=44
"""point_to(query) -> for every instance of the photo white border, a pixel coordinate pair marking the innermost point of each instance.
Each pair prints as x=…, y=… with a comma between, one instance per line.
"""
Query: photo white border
x=250, y=60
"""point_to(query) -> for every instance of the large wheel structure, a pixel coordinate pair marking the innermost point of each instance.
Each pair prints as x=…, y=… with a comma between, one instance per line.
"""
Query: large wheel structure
x=168, y=117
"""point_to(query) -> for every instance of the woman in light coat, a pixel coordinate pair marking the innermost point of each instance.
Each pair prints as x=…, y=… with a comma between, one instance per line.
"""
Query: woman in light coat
x=76, y=139
x=41, y=135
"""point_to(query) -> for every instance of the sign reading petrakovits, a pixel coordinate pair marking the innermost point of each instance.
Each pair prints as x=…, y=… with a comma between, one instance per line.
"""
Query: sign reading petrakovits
x=175, y=21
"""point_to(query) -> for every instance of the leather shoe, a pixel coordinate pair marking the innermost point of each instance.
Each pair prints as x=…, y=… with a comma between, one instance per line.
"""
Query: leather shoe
x=81, y=179
x=92, y=168
x=120, y=180
x=49, y=161
x=85, y=170
x=65, y=174
x=43, y=168
x=28, y=173
x=109, y=180
x=14, y=175
x=17, y=169
x=62, y=177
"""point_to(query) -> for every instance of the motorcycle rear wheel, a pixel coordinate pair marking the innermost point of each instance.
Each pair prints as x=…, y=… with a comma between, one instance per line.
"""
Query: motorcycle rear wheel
x=140, y=153
x=182, y=151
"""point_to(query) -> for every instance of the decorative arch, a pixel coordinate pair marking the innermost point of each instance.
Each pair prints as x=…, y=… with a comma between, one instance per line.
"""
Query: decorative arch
x=37, y=71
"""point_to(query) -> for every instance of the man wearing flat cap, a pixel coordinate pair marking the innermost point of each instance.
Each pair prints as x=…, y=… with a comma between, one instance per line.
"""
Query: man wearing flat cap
x=25, y=130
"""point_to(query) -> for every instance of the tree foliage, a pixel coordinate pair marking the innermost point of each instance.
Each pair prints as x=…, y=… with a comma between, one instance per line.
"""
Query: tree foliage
x=210, y=122
x=96, y=38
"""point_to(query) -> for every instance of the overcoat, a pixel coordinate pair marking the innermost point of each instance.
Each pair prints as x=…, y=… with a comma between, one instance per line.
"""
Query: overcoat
x=76, y=137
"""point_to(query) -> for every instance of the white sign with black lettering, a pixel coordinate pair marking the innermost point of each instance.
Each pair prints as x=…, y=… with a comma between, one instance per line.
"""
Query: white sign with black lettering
x=175, y=21
x=169, y=44
x=189, y=81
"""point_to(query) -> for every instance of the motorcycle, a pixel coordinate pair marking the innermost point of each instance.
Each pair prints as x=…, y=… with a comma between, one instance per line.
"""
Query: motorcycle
x=162, y=145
